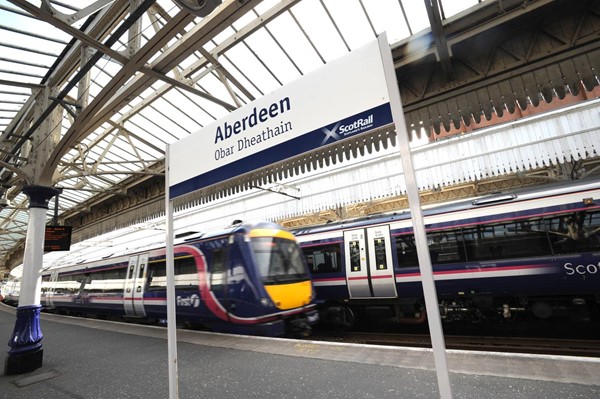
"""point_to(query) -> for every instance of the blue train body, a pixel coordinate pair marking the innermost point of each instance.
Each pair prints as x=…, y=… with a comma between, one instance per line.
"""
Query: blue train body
x=535, y=251
x=249, y=279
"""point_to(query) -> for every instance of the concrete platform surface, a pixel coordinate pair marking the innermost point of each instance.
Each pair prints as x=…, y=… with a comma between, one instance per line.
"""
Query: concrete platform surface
x=85, y=358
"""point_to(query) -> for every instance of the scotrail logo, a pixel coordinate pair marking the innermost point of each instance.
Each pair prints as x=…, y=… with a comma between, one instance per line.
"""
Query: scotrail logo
x=340, y=131
x=192, y=300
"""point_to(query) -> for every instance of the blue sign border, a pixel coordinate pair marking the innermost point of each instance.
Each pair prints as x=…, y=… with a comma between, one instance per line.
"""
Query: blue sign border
x=368, y=120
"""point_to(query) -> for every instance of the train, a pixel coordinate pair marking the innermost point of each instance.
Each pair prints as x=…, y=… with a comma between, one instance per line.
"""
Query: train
x=249, y=278
x=527, y=254
x=9, y=291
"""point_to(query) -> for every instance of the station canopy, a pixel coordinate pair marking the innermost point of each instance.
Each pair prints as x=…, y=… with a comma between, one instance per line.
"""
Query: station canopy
x=110, y=83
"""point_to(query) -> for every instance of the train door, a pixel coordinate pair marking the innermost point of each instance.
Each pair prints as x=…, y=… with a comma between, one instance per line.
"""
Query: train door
x=135, y=283
x=369, y=266
x=51, y=289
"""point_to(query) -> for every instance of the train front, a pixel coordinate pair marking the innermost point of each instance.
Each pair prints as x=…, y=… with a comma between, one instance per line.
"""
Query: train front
x=285, y=278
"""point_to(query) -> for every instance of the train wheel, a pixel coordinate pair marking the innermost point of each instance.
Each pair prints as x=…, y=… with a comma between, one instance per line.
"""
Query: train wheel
x=339, y=315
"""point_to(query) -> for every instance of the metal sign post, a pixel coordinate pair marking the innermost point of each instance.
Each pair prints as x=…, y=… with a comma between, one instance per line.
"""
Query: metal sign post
x=171, y=310
x=431, y=301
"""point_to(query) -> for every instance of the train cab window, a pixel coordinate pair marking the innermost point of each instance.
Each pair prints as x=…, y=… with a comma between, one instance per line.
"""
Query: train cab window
x=323, y=258
x=278, y=260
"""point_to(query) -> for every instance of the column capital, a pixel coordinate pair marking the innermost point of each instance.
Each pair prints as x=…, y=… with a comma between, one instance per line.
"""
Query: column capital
x=39, y=196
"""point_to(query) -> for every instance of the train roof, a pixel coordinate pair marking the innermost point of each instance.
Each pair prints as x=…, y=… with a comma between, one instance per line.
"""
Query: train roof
x=236, y=227
x=513, y=195
x=182, y=238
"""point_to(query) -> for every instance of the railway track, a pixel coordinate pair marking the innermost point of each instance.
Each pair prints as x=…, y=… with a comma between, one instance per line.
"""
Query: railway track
x=546, y=346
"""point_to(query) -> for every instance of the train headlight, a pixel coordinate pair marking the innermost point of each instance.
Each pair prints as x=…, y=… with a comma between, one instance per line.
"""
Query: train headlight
x=266, y=302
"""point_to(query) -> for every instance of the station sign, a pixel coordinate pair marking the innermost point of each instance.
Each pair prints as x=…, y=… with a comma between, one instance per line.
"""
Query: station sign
x=344, y=98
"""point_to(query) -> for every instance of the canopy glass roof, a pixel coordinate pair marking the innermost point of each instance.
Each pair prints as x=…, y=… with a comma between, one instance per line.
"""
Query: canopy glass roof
x=189, y=74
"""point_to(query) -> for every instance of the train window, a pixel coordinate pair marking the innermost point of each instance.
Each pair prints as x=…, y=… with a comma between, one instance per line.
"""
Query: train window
x=354, y=256
x=186, y=274
x=45, y=284
x=68, y=284
x=157, y=275
x=380, y=258
x=445, y=247
x=131, y=267
x=323, y=258
x=406, y=253
x=506, y=240
x=218, y=275
x=104, y=281
x=278, y=260
x=94, y=283
x=576, y=232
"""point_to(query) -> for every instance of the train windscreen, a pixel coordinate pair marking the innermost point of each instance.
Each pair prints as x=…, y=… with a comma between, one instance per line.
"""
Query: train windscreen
x=279, y=260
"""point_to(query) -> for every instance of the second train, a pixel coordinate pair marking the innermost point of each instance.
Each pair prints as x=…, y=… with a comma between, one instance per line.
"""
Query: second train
x=528, y=253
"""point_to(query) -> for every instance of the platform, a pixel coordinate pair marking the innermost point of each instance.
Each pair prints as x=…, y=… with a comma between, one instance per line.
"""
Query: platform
x=86, y=358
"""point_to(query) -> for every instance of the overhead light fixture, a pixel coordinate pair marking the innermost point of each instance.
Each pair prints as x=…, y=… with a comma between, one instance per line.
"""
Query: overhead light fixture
x=4, y=201
x=200, y=8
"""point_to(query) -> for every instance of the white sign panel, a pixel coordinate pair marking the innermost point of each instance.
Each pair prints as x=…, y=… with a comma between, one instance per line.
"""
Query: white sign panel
x=346, y=97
